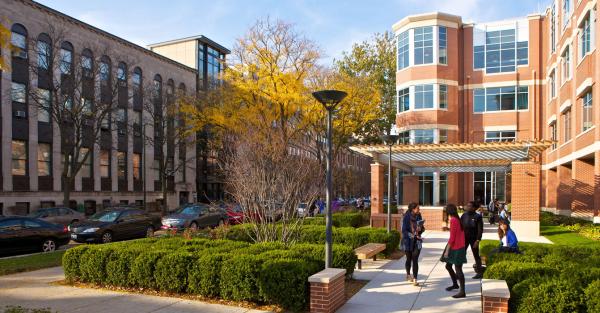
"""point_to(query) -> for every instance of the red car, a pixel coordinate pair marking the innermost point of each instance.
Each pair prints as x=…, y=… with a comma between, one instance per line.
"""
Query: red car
x=235, y=214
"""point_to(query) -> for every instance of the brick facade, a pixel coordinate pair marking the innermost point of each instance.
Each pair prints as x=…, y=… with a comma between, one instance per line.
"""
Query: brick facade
x=327, y=290
x=526, y=177
x=494, y=296
x=377, y=187
x=410, y=189
x=495, y=305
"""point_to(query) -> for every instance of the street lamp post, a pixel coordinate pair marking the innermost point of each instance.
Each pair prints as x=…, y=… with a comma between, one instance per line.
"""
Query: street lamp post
x=390, y=139
x=329, y=99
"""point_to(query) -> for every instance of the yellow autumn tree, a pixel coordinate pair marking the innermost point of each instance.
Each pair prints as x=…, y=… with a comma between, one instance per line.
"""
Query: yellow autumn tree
x=4, y=44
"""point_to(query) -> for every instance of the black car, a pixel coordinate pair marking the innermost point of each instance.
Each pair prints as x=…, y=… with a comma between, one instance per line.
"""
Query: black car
x=20, y=234
x=115, y=224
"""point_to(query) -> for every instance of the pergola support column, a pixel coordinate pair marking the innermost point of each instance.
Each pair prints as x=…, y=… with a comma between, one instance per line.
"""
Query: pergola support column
x=377, y=186
x=525, y=213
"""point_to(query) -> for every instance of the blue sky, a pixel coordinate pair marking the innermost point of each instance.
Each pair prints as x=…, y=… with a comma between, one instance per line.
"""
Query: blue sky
x=334, y=25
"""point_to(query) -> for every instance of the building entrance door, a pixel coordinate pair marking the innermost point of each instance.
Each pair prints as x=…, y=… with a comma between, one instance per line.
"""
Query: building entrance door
x=488, y=186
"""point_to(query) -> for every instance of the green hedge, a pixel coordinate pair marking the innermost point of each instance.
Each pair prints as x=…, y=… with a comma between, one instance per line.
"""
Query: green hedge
x=265, y=273
x=592, y=296
x=341, y=219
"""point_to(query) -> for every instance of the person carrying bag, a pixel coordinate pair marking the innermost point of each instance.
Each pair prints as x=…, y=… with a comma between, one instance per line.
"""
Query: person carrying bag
x=455, y=253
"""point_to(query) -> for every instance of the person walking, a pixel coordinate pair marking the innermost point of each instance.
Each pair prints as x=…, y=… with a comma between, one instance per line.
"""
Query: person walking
x=473, y=227
x=455, y=253
x=493, y=210
x=412, y=228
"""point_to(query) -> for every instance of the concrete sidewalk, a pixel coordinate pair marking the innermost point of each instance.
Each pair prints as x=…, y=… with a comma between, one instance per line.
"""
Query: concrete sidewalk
x=388, y=291
x=33, y=290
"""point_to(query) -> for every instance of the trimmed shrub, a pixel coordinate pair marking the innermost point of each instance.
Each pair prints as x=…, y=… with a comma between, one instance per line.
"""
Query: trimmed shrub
x=92, y=265
x=592, y=296
x=239, y=278
x=343, y=256
x=313, y=234
x=142, y=269
x=204, y=276
x=351, y=237
x=171, y=271
x=380, y=235
x=119, y=265
x=553, y=296
x=515, y=272
x=285, y=282
x=348, y=219
x=71, y=260
x=521, y=289
x=261, y=247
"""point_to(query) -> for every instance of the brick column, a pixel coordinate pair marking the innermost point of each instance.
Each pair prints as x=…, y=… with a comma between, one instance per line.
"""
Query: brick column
x=377, y=186
x=526, y=184
x=494, y=296
x=327, y=290
x=410, y=189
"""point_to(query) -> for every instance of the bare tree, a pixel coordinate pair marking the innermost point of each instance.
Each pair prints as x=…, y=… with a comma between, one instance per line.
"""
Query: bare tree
x=76, y=92
x=170, y=134
x=269, y=185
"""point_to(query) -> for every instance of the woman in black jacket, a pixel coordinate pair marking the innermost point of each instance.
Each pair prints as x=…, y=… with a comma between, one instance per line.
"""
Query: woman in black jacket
x=412, y=228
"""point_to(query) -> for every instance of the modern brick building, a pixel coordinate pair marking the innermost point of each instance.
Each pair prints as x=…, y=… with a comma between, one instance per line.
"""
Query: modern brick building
x=530, y=78
x=31, y=145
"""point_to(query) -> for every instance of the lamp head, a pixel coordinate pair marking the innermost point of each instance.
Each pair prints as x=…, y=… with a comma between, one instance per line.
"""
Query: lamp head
x=329, y=98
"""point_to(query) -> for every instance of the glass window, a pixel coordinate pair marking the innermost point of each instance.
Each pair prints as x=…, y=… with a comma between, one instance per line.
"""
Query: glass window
x=104, y=72
x=423, y=96
x=522, y=53
x=18, y=41
x=43, y=54
x=566, y=64
x=552, y=82
x=122, y=73
x=567, y=125
x=66, y=59
x=403, y=100
x=403, y=50
x=587, y=111
x=423, y=45
x=443, y=45
x=566, y=12
x=426, y=189
x=122, y=165
x=553, y=28
x=137, y=166
x=443, y=138
x=478, y=57
x=86, y=105
x=553, y=135
x=443, y=96
x=404, y=137
x=488, y=186
x=86, y=166
x=522, y=97
x=500, y=99
x=104, y=163
x=156, y=169
x=136, y=79
x=19, y=157
x=500, y=51
x=137, y=115
x=86, y=63
x=18, y=92
x=479, y=100
x=44, y=105
x=443, y=189
x=44, y=159
x=585, y=36
x=497, y=136
x=121, y=115
x=423, y=136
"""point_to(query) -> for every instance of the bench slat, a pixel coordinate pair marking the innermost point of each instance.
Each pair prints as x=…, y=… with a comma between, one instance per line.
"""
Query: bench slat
x=369, y=250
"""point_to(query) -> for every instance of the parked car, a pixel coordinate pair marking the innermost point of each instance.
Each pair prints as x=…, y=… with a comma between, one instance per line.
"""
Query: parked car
x=195, y=216
x=302, y=210
x=19, y=234
x=59, y=215
x=235, y=214
x=115, y=224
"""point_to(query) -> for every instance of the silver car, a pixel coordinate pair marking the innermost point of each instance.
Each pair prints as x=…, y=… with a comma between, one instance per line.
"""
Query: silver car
x=195, y=216
x=59, y=215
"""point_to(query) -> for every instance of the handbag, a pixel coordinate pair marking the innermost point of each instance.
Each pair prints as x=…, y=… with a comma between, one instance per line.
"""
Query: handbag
x=443, y=258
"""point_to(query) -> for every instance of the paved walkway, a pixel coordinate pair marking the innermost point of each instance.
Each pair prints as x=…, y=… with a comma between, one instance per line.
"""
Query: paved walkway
x=388, y=291
x=33, y=290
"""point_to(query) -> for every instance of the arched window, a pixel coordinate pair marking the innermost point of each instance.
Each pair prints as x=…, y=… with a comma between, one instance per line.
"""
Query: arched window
x=122, y=74
x=87, y=63
x=136, y=79
x=157, y=84
x=104, y=70
x=18, y=39
x=44, y=51
x=66, y=58
x=181, y=88
x=170, y=87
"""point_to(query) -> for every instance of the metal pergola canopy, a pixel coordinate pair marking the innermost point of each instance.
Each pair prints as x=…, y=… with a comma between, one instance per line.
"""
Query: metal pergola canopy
x=456, y=157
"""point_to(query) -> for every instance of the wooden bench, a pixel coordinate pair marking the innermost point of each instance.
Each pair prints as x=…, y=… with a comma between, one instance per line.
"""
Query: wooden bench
x=368, y=251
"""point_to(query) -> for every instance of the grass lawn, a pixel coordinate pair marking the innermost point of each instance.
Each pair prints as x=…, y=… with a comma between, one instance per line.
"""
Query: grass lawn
x=31, y=262
x=562, y=235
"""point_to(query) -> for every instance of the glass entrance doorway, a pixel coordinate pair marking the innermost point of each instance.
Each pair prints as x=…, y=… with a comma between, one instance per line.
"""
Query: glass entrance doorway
x=488, y=186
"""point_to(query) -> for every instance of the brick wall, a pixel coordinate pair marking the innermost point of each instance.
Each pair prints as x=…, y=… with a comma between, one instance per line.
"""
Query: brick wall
x=494, y=296
x=377, y=185
x=434, y=219
x=583, y=188
x=327, y=290
x=526, y=180
x=495, y=305
x=410, y=189
x=380, y=220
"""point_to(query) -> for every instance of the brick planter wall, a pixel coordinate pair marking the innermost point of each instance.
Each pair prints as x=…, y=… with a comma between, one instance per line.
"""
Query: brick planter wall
x=327, y=290
x=494, y=296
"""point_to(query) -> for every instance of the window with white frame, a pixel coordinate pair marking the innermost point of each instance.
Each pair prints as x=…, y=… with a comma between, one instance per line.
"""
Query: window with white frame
x=404, y=137
x=442, y=45
x=566, y=121
x=443, y=136
x=423, y=97
x=553, y=28
x=500, y=99
x=588, y=117
x=423, y=136
x=423, y=43
x=552, y=83
x=566, y=12
x=403, y=100
x=443, y=97
x=502, y=51
x=403, y=50
x=585, y=32
x=500, y=136
x=553, y=135
x=566, y=64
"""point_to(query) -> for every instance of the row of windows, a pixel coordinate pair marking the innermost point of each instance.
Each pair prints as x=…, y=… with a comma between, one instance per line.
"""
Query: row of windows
x=423, y=136
x=420, y=97
x=587, y=120
x=500, y=99
x=501, y=52
x=422, y=46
